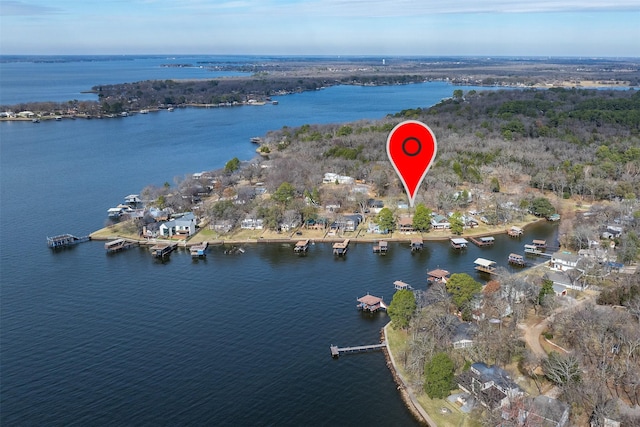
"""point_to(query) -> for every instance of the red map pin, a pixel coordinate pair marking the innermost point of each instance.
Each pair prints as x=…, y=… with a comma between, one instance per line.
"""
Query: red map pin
x=411, y=147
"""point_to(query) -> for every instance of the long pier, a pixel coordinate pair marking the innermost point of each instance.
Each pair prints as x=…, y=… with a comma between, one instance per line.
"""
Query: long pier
x=337, y=351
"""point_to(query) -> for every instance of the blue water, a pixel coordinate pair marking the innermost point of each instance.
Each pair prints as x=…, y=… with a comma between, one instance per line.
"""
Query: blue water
x=92, y=339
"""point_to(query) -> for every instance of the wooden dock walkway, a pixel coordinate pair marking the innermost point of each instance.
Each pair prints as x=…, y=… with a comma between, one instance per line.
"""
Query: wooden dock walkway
x=483, y=241
x=119, y=245
x=65, y=240
x=337, y=351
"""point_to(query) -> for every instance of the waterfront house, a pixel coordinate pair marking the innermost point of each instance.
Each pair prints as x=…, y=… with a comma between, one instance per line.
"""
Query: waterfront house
x=182, y=225
x=252, y=224
x=151, y=230
x=562, y=261
x=463, y=335
x=405, y=224
x=221, y=225
x=440, y=222
x=490, y=385
x=347, y=222
x=374, y=228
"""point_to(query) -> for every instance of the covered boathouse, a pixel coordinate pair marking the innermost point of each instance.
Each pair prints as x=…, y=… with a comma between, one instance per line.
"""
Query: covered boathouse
x=438, y=276
x=485, y=265
x=340, y=248
x=371, y=303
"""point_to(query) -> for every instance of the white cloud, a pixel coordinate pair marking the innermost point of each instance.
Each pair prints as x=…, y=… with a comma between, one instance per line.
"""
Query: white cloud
x=21, y=8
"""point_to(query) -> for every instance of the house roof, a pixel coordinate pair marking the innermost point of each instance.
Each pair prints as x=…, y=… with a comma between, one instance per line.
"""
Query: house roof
x=370, y=300
x=484, y=262
x=499, y=376
x=549, y=408
x=439, y=273
x=562, y=256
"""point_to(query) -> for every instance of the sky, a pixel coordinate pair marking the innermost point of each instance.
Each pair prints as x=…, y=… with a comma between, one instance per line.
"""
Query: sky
x=583, y=28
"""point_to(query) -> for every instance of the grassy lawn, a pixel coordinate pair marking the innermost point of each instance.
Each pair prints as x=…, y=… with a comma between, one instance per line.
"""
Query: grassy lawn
x=455, y=418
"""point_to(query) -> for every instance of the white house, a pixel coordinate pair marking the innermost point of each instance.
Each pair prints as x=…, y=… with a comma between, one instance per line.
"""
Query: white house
x=184, y=225
x=562, y=261
x=332, y=178
x=439, y=222
x=252, y=224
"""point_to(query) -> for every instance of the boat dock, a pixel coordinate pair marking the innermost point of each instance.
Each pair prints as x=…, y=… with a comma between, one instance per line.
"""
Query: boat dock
x=438, y=276
x=161, y=250
x=337, y=351
x=301, y=246
x=540, y=244
x=119, y=245
x=534, y=250
x=381, y=248
x=517, y=259
x=458, y=243
x=399, y=285
x=483, y=241
x=371, y=303
x=65, y=240
x=417, y=244
x=340, y=248
x=515, y=232
x=485, y=265
x=199, y=250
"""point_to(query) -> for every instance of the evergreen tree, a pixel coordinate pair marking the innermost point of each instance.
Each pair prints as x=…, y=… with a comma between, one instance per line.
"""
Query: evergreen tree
x=385, y=220
x=402, y=307
x=422, y=218
x=438, y=376
x=457, y=224
x=462, y=287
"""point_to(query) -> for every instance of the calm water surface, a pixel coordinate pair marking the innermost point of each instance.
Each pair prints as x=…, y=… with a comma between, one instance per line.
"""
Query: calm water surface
x=92, y=339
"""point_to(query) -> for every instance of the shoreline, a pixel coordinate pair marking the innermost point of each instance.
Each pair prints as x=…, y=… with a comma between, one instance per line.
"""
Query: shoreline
x=406, y=393
x=105, y=234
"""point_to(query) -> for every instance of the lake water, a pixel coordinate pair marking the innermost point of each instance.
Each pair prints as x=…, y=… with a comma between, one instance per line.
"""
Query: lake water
x=92, y=339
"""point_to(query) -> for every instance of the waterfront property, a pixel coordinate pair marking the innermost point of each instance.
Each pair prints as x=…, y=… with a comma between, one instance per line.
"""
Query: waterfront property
x=515, y=232
x=483, y=241
x=533, y=250
x=161, y=250
x=516, y=259
x=381, y=248
x=490, y=385
x=438, y=276
x=371, y=303
x=399, y=285
x=485, y=265
x=458, y=243
x=65, y=240
x=337, y=351
x=119, y=245
x=199, y=250
x=340, y=248
x=540, y=244
x=416, y=244
x=301, y=246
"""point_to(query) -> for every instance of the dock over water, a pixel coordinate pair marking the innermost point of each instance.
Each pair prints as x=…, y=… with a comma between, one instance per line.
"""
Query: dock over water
x=483, y=241
x=65, y=240
x=119, y=245
x=337, y=351
x=162, y=249
x=301, y=246
x=340, y=248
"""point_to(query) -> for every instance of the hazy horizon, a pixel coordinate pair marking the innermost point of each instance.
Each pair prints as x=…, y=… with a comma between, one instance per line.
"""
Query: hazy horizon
x=494, y=28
